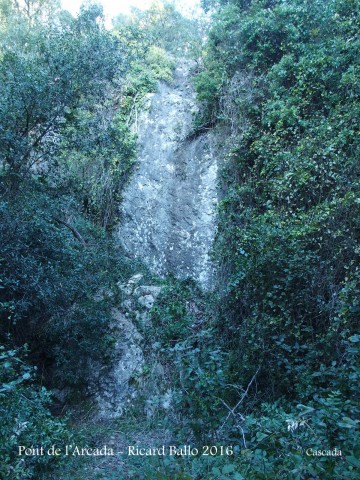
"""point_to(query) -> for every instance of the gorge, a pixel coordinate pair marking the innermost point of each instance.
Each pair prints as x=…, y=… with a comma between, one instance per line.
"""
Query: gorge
x=179, y=232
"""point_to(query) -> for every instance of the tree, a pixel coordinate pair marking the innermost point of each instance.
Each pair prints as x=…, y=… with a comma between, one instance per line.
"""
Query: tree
x=46, y=71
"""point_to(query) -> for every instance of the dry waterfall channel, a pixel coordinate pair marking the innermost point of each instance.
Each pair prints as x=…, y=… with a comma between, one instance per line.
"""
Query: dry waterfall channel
x=168, y=222
x=168, y=211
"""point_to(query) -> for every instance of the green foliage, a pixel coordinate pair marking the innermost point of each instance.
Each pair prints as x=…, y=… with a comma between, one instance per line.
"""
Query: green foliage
x=159, y=63
x=207, y=85
x=182, y=325
x=45, y=73
x=288, y=238
x=26, y=420
x=164, y=27
x=67, y=149
x=47, y=305
x=278, y=443
x=269, y=363
x=144, y=76
x=171, y=317
x=66, y=153
x=96, y=159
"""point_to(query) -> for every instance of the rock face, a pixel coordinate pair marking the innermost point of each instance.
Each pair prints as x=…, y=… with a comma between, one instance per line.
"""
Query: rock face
x=168, y=211
x=168, y=221
x=123, y=380
x=116, y=391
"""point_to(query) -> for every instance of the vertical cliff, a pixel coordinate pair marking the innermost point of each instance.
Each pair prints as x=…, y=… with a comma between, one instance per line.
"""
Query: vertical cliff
x=168, y=211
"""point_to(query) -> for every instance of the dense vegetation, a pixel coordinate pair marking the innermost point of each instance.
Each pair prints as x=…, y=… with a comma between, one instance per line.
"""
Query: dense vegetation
x=281, y=77
x=70, y=89
x=268, y=362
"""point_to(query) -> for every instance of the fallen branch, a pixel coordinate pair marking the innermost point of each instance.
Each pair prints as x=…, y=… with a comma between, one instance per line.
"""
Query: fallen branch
x=232, y=410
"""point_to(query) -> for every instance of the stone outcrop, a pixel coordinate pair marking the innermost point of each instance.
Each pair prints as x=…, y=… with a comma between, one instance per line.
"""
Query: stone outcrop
x=168, y=211
x=122, y=384
x=128, y=362
x=168, y=222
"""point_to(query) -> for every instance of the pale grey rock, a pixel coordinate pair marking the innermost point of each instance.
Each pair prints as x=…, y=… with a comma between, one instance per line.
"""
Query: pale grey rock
x=143, y=319
x=168, y=221
x=128, y=363
x=167, y=399
x=135, y=279
x=125, y=288
x=127, y=304
x=148, y=290
x=168, y=209
x=146, y=301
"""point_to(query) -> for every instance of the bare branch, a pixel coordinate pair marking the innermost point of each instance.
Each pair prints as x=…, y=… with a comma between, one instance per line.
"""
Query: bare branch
x=232, y=410
x=72, y=230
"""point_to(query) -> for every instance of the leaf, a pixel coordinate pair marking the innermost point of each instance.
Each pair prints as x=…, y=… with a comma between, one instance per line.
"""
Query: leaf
x=347, y=422
x=238, y=476
x=230, y=467
x=354, y=338
x=305, y=409
x=246, y=452
x=260, y=436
